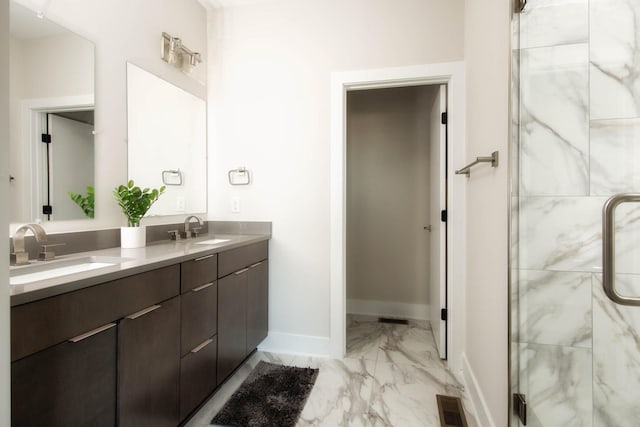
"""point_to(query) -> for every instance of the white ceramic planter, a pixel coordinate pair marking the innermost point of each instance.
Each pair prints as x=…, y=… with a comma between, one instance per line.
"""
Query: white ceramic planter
x=133, y=237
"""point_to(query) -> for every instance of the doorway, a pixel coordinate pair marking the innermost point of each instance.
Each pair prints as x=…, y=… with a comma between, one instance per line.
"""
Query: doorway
x=396, y=196
x=451, y=74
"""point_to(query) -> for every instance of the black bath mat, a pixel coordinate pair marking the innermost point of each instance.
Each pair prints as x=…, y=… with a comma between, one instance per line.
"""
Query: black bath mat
x=272, y=395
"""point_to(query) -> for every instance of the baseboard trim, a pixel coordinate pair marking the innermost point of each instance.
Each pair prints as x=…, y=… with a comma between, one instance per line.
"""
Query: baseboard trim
x=475, y=395
x=303, y=345
x=388, y=309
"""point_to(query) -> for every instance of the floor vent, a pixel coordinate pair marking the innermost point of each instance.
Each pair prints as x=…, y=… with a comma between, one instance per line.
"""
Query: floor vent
x=451, y=412
x=394, y=321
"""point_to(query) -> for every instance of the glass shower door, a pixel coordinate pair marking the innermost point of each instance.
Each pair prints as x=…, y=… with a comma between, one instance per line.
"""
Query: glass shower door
x=577, y=143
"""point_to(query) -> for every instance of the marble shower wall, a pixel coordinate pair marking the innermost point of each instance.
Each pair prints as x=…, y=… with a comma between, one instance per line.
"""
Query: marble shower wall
x=578, y=143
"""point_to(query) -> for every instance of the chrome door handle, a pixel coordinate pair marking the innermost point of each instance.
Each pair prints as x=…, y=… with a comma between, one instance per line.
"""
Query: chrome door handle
x=608, y=247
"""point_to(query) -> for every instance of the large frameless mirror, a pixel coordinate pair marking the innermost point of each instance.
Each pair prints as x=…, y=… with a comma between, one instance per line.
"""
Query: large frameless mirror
x=167, y=142
x=51, y=148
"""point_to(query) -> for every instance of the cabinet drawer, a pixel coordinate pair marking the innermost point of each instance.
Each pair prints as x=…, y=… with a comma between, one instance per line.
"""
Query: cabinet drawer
x=41, y=324
x=199, y=315
x=197, y=375
x=198, y=272
x=238, y=258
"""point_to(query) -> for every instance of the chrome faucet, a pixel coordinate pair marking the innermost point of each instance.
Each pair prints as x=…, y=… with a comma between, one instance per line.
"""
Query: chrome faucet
x=188, y=232
x=19, y=256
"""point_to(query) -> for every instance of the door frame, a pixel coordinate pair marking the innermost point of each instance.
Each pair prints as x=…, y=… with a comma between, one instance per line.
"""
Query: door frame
x=451, y=74
x=33, y=118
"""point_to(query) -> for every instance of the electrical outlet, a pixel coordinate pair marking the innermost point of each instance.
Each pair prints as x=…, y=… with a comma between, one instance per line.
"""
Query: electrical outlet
x=235, y=205
x=179, y=204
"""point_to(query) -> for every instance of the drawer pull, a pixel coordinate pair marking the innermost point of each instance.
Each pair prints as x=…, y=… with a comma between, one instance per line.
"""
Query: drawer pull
x=143, y=312
x=205, y=286
x=244, y=270
x=204, y=257
x=255, y=265
x=201, y=346
x=92, y=333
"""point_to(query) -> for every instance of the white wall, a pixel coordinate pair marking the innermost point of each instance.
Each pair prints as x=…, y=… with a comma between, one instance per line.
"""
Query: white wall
x=269, y=97
x=487, y=38
x=5, y=373
x=125, y=31
x=388, y=198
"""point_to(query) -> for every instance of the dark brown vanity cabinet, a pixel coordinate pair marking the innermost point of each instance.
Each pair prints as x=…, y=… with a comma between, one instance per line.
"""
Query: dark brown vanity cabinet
x=144, y=350
x=199, y=328
x=243, y=299
x=67, y=352
x=149, y=366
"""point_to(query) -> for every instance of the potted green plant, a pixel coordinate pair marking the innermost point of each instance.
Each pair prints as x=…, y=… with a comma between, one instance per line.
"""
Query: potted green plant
x=135, y=203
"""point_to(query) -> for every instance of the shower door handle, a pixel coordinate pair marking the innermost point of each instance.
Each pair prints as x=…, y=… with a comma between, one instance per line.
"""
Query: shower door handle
x=608, y=247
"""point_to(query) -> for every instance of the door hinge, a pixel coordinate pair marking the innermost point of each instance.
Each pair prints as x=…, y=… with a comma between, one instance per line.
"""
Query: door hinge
x=520, y=5
x=47, y=209
x=443, y=118
x=443, y=216
x=443, y=314
x=46, y=138
x=520, y=407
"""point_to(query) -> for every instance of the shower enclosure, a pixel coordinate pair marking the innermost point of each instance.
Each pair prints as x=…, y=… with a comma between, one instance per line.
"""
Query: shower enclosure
x=575, y=353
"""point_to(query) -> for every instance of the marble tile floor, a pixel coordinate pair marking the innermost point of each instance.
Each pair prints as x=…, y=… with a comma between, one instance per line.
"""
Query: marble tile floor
x=389, y=378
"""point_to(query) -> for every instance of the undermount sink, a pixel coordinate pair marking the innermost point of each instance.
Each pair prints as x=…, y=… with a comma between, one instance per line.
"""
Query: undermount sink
x=39, y=270
x=212, y=241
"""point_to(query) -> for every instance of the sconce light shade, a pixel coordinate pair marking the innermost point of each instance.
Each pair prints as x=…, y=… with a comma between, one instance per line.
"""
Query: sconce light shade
x=177, y=54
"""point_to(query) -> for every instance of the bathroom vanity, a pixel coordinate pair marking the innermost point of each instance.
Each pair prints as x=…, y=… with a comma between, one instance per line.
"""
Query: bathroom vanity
x=139, y=343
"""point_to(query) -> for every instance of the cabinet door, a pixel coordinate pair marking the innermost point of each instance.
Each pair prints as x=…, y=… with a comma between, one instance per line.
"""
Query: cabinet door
x=257, y=304
x=69, y=384
x=149, y=366
x=232, y=322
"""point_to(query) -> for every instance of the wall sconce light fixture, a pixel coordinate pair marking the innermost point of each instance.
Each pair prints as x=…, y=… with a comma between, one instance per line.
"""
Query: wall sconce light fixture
x=177, y=54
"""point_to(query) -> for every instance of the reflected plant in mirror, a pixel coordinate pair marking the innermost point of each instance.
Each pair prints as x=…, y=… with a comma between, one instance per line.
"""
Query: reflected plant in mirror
x=51, y=141
x=85, y=203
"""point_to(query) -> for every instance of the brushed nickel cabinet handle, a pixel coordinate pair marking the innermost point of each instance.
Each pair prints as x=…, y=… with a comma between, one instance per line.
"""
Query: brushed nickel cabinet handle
x=204, y=257
x=201, y=346
x=241, y=271
x=143, y=312
x=255, y=265
x=205, y=286
x=92, y=333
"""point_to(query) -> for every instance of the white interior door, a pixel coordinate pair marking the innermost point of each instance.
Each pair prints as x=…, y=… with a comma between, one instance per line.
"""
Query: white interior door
x=71, y=165
x=438, y=238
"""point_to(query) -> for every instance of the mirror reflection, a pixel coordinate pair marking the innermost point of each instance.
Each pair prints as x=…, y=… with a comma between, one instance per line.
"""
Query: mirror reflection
x=51, y=148
x=167, y=142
